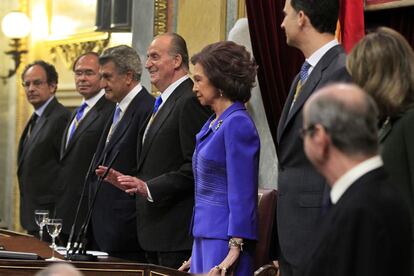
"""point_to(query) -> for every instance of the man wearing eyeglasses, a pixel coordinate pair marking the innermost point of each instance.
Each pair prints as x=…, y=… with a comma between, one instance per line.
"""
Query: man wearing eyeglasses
x=79, y=142
x=38, y=153
x=366, y=229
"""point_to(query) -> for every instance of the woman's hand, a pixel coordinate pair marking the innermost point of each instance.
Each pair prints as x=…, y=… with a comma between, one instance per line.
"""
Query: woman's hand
x=186, y=265
x=231, y=258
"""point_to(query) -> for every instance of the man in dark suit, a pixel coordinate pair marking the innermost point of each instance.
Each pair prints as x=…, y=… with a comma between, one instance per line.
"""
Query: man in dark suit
x=310, y=27
x=79, y=143
x=164, y=184
x=114, y=214
x=38, y=155
x=367, y=229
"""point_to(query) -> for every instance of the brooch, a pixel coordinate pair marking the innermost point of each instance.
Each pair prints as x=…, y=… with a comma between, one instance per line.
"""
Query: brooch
x=218, y=124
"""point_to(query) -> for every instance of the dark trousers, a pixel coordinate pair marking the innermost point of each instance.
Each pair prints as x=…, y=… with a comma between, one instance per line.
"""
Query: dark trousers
x=169, y=259
x=287, y=269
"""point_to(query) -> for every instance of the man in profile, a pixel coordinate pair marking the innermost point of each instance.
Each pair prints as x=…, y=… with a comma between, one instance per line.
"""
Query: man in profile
x=310, y=27
x=79, y=143
x=38, y=154
x=367, y=229
x=114, y=214
x=164, y=184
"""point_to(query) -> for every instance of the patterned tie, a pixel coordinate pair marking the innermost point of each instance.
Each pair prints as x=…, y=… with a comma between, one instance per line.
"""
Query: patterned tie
x=78, y=118
x=303, y=75
x=115, y=120
x=158, y=102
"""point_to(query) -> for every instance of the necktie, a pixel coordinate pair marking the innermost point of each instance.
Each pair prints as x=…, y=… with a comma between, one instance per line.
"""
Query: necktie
x=78, y=118
x=303, y=76
x=32, y=123
x=158, y=102
x=304, y=72
x=115, y=120
x=326, y=205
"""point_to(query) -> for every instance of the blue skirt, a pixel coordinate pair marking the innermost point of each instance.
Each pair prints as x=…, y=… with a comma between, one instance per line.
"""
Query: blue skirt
x=208, y=253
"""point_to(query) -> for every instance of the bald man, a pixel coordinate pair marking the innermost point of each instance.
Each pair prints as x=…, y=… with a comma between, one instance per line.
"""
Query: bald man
x=366, y=230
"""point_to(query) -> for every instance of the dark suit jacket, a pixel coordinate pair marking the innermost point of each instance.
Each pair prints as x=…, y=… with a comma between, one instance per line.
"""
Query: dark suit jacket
x=366, y=233
x=38, y=163
x=397, y=139
x=300, y=186
x=165, y=164
x=114, y=215
x=75, y=159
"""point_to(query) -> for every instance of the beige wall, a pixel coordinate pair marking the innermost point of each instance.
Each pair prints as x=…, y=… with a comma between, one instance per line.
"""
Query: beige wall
x=201, y=22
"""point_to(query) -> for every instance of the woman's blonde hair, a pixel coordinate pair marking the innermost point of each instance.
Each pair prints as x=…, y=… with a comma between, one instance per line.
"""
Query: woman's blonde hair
x=382, y=63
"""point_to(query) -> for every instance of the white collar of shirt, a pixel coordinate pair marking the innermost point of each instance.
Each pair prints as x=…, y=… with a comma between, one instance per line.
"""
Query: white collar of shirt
x=346, y=180
x=41, y=109
x=170, y=89
x=123, y=105
x=318, y=54
x=93, y=100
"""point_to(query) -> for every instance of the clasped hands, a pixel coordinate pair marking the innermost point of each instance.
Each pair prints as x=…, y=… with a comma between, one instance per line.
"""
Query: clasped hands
x=129, y=184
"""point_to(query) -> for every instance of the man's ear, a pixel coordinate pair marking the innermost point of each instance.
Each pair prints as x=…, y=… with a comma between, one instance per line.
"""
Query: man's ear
x=178, y=61
x=129, y=77
x=53, y=87
x=322, y=141
x=302, y=18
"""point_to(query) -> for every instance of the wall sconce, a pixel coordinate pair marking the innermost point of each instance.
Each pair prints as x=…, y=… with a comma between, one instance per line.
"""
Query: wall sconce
x=15, y=25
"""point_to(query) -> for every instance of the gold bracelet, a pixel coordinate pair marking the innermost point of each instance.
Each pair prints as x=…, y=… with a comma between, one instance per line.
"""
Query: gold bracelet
x=236, y=243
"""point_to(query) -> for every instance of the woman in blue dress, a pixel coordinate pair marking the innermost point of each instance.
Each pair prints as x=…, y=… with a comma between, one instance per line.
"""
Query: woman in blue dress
x=225, y=163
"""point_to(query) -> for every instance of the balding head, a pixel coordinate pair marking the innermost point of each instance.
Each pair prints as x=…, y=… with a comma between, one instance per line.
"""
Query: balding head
x=348, y=115
x=62, y=269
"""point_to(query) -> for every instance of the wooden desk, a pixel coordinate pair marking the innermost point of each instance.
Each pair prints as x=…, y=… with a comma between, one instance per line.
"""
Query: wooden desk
x=25, y=243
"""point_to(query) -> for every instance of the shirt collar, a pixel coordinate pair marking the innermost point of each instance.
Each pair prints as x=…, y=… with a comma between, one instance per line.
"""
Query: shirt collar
x=123, y=105
x=346, y=180
x=93, y=100
x=170, y=89
x=41, y=109
x=318, y=54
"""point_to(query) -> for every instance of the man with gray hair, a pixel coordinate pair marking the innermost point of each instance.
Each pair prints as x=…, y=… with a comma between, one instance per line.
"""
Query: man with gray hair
x=114, y=214
x=366, y=230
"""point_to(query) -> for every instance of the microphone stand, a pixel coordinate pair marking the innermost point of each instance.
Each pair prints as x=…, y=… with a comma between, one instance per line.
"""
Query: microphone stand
x=85, y=182
x=78, y=252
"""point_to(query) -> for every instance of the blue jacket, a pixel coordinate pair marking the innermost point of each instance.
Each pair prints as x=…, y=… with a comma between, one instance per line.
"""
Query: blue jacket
x=225, y=165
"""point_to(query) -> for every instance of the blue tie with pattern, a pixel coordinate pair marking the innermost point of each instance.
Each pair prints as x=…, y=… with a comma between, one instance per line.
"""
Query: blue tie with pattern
x=78, y=118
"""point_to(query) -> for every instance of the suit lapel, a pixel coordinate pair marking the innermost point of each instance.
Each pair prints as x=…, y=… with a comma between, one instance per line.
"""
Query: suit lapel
x=31, y=141
x=160, y=118
x=307, y=89
x=65, y=135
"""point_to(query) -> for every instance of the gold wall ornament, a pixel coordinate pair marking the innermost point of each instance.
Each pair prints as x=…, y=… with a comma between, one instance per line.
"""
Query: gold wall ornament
x=70, y=48
x=160, y=17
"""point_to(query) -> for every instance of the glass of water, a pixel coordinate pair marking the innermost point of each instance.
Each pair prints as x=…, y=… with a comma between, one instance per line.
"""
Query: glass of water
x=41, y=216
x=53, y=226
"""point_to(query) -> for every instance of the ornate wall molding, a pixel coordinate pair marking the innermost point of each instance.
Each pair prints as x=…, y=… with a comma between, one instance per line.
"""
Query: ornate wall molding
x=70, y=48
x=160, y=17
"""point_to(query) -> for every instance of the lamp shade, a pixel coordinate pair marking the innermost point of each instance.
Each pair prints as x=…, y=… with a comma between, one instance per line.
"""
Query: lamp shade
x=16, y=24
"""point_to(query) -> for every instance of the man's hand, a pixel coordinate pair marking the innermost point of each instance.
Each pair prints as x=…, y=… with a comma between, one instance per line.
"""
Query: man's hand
x=112, y=176
x=133, y=185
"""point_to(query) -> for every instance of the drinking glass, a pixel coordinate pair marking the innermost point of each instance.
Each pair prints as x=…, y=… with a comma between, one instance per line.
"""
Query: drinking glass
x=53, y=227
x=41, y=217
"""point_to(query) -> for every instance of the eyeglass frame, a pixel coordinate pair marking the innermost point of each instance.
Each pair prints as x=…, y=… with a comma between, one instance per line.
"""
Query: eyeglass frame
x=36, y=83
x=306, y=130
x=87, y=73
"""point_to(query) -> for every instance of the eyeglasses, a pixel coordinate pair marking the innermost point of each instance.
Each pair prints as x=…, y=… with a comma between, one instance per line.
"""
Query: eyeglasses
x=87, y=73
x=35, y=83
x=304, y=131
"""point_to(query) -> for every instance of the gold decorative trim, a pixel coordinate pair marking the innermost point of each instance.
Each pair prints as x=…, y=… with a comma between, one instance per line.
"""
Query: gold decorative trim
x=68, y=49
x=157, y=274
x=160, y=17
x=241, y=9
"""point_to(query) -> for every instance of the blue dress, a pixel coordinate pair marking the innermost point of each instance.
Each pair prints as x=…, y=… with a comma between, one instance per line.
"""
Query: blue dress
x=225, y=166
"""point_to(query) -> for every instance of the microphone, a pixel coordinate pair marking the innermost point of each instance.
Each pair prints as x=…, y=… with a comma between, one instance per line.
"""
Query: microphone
x=85, y=182
x=81, y=240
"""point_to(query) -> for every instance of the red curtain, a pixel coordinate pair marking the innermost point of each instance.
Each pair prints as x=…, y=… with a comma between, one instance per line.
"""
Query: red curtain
x=278, y=62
